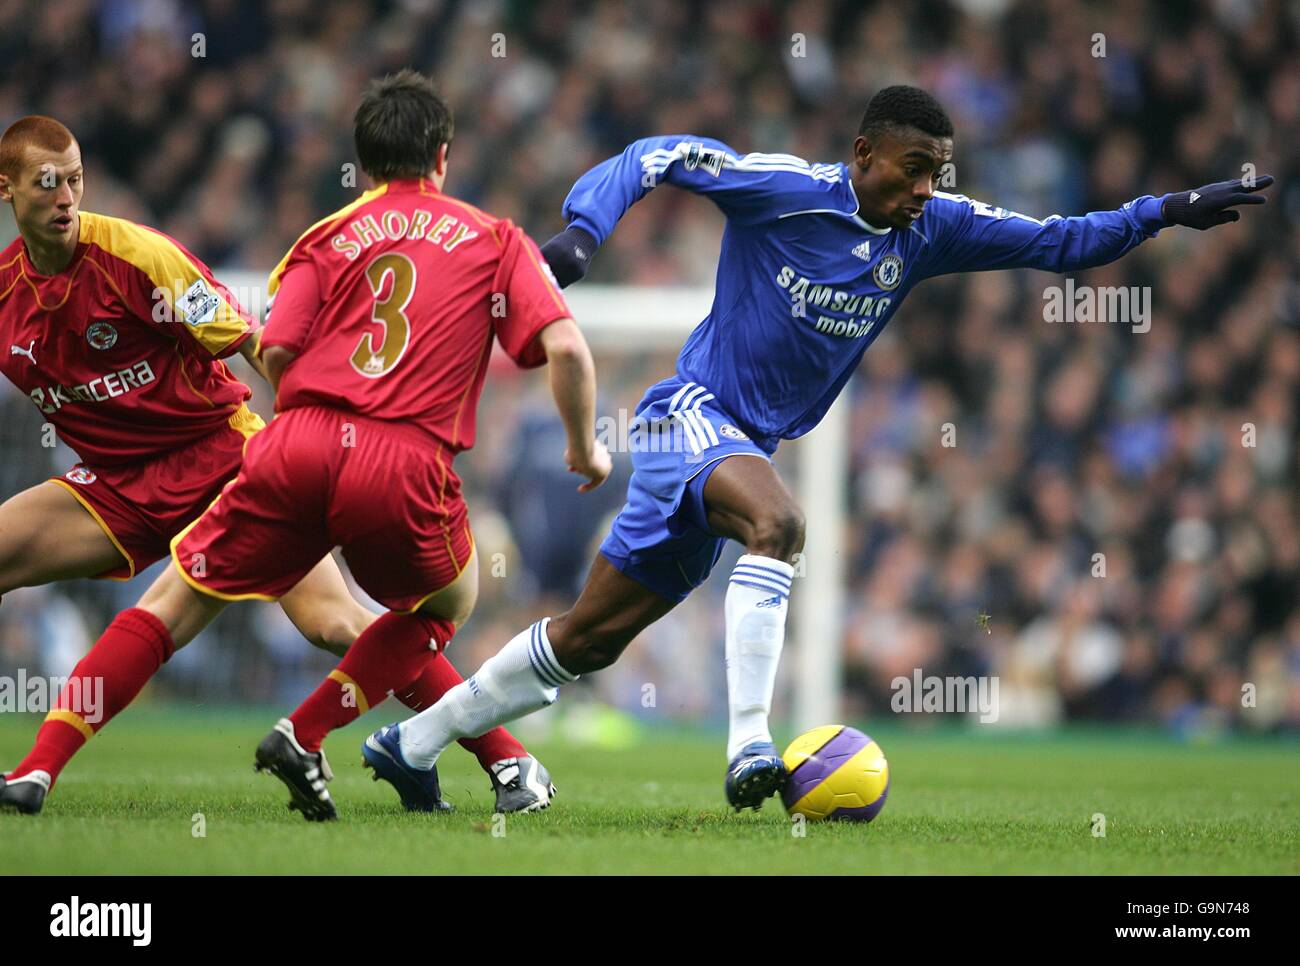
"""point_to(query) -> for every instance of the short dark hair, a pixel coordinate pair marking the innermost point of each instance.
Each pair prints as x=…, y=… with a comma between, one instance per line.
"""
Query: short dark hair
x=903, y=106
x=399, y=126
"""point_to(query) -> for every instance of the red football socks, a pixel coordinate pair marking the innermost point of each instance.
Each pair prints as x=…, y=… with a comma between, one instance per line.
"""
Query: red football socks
x=388, y=654
x=104, y=682
x=436, y=679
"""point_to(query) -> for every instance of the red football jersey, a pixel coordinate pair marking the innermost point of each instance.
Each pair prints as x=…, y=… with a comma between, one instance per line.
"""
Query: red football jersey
x=121, y=349
x=391, y=305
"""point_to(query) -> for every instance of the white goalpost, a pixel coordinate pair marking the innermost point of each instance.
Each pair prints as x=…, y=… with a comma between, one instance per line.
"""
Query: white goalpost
x=627, y=319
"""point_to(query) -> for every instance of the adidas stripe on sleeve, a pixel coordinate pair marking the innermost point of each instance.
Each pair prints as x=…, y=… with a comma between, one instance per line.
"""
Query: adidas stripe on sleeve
x=749, y=188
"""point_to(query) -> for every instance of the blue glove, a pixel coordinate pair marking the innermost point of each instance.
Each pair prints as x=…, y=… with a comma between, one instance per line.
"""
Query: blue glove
x=569, y=254
x=1212, y=205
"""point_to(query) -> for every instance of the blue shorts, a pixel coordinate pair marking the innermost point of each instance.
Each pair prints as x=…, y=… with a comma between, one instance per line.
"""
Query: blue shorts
x=661, y=537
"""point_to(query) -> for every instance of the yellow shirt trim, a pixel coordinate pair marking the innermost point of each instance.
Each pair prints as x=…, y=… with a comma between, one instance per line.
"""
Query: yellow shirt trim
x=172, y=272
x=273, y=282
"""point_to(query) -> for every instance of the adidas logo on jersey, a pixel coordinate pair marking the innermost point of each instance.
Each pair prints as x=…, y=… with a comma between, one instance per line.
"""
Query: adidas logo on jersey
x=863, y=251
x=770, y=602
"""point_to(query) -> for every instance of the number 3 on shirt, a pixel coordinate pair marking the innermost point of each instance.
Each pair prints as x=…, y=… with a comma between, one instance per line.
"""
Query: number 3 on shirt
x=372, y=360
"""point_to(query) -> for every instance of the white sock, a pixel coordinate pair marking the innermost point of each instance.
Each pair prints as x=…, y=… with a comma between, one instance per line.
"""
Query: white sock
x=755, y=610
x=523, y=677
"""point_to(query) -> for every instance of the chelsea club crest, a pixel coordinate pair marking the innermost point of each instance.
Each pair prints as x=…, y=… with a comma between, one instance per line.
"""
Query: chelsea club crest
x=101, y=335
x=888, y=272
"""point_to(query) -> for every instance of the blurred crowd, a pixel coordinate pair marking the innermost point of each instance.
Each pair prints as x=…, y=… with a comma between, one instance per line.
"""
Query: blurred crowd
x=1106, y=519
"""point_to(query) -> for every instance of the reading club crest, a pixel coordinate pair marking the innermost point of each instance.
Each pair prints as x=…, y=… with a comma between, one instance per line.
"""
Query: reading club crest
x=888, y=272
x=101, y=336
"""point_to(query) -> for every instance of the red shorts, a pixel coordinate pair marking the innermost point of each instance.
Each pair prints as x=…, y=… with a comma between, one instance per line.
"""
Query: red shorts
x=142, y=506
x=320, y=478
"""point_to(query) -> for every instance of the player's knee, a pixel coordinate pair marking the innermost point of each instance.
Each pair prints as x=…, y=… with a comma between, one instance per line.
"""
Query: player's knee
x=461, y=614
x=777, y=532
x=454, y=604
x=455, y=613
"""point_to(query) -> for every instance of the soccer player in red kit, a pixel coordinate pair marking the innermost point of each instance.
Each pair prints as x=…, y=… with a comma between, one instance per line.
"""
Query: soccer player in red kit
x=379, y=330
x=117, y=333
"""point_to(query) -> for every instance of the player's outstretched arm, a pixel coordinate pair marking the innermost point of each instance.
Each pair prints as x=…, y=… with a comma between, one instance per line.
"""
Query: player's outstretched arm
x=748, y=188
x=573, y=384
x=605, y=193
x=971, y=236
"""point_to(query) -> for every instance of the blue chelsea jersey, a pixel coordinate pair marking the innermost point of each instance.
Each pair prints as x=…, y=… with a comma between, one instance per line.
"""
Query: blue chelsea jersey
x=804, y=285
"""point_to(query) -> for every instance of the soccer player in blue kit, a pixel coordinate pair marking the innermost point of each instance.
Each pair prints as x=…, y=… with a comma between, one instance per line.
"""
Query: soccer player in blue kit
x=815, y=261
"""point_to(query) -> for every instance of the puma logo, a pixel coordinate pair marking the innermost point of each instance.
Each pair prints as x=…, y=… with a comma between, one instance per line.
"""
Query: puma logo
x=29, y=352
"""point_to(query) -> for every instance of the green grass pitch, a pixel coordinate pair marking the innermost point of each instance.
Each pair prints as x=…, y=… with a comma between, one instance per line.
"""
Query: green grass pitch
x=961, y=802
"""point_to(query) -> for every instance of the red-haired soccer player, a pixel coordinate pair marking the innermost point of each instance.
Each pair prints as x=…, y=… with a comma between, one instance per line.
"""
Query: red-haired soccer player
x=117, y=333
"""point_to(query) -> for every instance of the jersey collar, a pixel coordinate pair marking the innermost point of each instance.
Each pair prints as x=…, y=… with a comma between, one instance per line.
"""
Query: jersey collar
x=870, y=227
x=29, y=267
x=857, y=205
x=422, y=185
